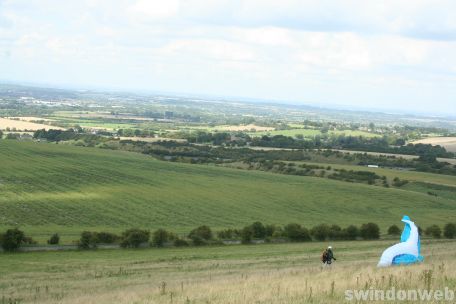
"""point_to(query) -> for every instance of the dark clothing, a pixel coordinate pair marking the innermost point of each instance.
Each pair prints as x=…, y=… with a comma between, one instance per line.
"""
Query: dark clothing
x=329, y=256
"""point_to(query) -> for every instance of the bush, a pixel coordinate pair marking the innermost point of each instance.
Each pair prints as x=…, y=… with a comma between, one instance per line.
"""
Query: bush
x=370, y=231
x=106, y=237
x=133, y=238
x=397, y=182
x=336, y=233
x=54, y=239
x=259, y=231
x=229, y=234
x=434, y=231
x=449, y=231
x=29, y=241
x=320, y=232
x=160, y=237
x=270, y=230
x=88, y=240
x=247, y=235
x=198, y=241
x=394, y=230
x=296, y=233
x=202, y=232
x=351, y=232
x=180, y=243
x=12, y=239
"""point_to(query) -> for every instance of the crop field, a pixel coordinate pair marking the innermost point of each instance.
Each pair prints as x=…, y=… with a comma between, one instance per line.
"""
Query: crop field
x=23, y=125
x=233, y=128
x=268, y=273
x=449, y=143
x=48, y=188
x=96, y=123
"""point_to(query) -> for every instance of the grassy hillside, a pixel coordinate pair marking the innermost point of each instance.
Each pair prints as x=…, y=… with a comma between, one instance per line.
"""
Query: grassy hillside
x=48, y=188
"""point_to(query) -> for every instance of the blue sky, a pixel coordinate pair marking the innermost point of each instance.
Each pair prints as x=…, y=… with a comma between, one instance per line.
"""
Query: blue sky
x=398, y=55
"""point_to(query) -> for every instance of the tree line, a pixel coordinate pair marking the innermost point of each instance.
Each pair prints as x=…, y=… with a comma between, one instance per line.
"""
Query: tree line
x=13, y=239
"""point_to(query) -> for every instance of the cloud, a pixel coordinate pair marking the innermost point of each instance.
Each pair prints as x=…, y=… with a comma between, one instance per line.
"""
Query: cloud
x=300, y=49
x=146, y=10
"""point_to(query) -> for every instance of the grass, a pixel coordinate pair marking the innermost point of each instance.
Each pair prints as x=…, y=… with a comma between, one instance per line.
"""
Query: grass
x=270, y=273
x=48, y=188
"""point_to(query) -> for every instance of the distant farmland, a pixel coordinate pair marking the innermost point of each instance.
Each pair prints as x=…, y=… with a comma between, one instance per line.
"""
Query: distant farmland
x=448, y=143
x=21, y=125
x=57, y=188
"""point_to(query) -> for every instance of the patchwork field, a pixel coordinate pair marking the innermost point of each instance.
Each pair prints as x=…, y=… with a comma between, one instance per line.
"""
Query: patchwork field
x=22, y=125
x=280, y=273
x=48, y=188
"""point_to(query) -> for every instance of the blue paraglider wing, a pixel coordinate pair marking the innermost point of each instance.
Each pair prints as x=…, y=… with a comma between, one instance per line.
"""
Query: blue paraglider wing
x=406, y=233
x=405, y=259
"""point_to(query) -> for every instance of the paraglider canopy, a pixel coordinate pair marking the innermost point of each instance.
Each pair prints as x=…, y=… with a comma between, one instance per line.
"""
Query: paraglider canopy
x=405, y=252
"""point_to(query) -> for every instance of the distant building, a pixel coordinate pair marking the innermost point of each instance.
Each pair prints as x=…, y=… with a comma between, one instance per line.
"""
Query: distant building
x=372, y=166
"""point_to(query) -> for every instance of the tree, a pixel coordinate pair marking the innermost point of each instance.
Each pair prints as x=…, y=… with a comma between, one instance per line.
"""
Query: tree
x=400, y=142
x=296, y=233
x=449, y=231
x=320, y=232
x=87, y=241
x=133, y=238
x=270, y=230
x=246, y=235
x=394, y=230
x=54, y=239
x=180, y=242
x=370, y=231
x=160, y=237
x=351, y=232
x=12, y=239
x=259, y=231
x=106, y=237
x=203, y=232
x=434, y=231
x=12, y=136
x=335, y=233
x=1, y=134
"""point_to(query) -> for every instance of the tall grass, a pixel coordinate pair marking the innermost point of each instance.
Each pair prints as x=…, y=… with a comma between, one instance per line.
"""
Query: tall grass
x=289, y=273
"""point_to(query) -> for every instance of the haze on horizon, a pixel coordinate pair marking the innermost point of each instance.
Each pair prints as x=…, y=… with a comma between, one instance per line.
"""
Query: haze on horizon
x=398, y=55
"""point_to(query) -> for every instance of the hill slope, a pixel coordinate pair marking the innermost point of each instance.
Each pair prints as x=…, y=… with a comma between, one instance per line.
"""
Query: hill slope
x=48, y=187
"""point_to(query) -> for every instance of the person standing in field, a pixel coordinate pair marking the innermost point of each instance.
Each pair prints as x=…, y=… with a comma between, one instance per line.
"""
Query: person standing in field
x=328, y=256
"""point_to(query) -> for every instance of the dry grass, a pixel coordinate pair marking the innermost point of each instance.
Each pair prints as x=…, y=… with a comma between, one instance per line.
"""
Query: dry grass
x=31, y=118
x=20, y=125
x=448, y=143
x=152, y=139
x=249, y=127
x=236, y=275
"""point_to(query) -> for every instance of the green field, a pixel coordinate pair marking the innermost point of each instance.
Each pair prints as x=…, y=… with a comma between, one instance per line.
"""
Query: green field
x=269, y=273
x=47, y=188
x=415, y=176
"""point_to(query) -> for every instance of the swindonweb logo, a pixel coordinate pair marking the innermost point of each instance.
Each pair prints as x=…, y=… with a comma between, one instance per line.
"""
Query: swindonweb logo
x=421, y=295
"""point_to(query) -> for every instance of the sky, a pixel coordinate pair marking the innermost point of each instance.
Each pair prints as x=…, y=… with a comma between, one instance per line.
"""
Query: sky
x=394, y=55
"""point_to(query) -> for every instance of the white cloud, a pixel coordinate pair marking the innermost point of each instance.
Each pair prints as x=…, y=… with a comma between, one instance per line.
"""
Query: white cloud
x=149, y=10
x=292, y=50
